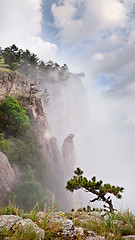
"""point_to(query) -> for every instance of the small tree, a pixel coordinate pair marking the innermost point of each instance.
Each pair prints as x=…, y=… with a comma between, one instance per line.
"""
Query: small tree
x=12, y=56
x=96, y=187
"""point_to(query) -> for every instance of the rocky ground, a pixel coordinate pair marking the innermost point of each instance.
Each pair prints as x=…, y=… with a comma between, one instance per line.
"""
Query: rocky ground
x=65, y=225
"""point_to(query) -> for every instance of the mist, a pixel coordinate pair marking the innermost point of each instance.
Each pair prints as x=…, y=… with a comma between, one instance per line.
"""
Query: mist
x=98, y=38
x=104, y=138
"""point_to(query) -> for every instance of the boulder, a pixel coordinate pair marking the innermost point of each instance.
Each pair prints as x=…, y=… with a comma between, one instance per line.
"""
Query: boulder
x=7, y=177
x=69, y=230
x=12, y=222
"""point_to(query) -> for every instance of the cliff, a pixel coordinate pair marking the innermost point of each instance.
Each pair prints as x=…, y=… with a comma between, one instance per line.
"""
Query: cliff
x=13, y=84
x=7, y=177
x=60, y=162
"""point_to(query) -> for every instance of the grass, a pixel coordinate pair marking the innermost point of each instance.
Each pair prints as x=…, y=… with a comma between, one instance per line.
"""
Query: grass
x=4, y=67
x=19, y=233
x=51, y=229
x=11, y=209
x=111, y=226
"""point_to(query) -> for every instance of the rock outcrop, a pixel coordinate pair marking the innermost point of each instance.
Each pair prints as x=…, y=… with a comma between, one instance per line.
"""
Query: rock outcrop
x=11, y=222
x=68, y=230
x=68, y=152
x=7, y=177
x=61, y=162
x=61, y=226
x=13, y=84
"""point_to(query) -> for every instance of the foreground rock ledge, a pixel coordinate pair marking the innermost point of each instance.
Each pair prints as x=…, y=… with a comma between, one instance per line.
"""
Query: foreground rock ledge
x=69, y=231
x=10, y=222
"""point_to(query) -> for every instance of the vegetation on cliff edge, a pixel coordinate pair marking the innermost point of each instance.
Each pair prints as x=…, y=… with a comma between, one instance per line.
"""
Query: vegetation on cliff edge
x=19, y=142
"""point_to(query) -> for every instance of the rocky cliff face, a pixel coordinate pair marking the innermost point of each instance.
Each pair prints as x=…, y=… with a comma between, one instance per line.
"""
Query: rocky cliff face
x=68, y=152
x=13, y=84
x=61, y=161
x=7, y=177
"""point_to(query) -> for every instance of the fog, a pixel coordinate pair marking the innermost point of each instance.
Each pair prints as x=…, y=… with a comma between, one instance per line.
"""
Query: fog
x=98, y=38
x=104, y=135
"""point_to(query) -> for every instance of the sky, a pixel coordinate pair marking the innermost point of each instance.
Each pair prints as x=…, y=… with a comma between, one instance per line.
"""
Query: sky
x=97, y=38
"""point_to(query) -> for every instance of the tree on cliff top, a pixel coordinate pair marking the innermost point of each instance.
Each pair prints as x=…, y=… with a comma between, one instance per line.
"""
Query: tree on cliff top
x=12, y=56
x=95, y=187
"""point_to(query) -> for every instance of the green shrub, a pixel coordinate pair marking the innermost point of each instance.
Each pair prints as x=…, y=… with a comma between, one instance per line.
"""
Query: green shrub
x=22, y=150
x=27, y=192
x=6, y=145
x=13, y=118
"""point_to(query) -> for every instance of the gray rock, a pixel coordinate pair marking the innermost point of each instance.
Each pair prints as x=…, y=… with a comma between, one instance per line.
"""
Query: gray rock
x=11, y=222
x=55, y=217
x=129, y=237
x=70, y=231
x=95, y=238
x=100, y=238
x=7, y=177
x=68, y=225
x=91, y=234
x=27, y=223
x=78, y=231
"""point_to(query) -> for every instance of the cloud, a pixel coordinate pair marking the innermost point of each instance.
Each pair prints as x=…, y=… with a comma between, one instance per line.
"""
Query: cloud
x=68, y=27
x=102, y=33
x=103, y=44
x=21, y=24
x=119, y=58
x=45, y=50
x=96, y=16
x=117, y=65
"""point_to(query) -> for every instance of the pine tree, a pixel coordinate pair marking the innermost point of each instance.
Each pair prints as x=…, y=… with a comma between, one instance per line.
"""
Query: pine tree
x=96, y=187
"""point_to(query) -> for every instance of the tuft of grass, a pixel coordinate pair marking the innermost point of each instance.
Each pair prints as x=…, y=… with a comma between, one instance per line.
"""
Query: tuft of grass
x=33, y=214
x=19, y=233
x=11, y=209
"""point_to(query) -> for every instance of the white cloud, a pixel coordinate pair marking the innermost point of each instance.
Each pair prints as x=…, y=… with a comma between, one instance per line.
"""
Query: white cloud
x=21, y=24
x=104, y=14
x=64, y=14
x=98, y=57
x=45, y=50
x=107, y=44
x=117, y=59
x=96, y=16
